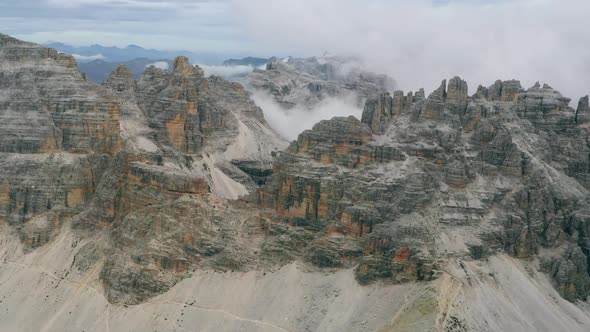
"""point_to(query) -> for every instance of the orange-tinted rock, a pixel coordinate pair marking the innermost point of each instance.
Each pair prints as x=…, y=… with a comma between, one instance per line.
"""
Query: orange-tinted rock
x=358, y=221
x=176, y=133
x=301, y=198
x=75, y=197
x=150, y=184
x=402, y=256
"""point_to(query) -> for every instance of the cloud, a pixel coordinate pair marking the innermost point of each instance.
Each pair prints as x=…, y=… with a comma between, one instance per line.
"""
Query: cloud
x=417, y=42
x=159, y=64
x=137, y=4
x=289, y=123
x=85, y=58
x=196, y=25
x=421, y=42
x=228, y=71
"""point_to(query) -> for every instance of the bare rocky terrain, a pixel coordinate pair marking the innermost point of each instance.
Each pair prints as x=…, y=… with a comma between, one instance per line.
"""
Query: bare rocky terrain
x=168, y=204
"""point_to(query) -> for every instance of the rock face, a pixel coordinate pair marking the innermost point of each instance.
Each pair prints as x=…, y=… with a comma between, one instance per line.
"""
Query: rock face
x=307, y=82
x=583, y=111
x=125, y=193
x=47, y=105
x=121, y=80
x=94, y=157
x=446, y=176
x=57, y=132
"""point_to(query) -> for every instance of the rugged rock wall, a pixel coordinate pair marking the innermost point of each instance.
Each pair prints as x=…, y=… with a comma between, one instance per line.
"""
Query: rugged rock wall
x=101, y=158
x=449, y=175
x=57, y=133
x=47, y=105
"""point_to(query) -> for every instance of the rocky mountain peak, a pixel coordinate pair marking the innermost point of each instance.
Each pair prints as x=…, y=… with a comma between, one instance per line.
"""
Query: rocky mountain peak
x=121, y=79
x=182, y=66
x=457, y=89
x=6, y=40
x=504, y=90
x=56, y=108
x=441, y=92
x=583, y=111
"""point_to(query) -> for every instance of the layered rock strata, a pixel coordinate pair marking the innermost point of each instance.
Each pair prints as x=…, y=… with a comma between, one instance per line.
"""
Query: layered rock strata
x=420, y=180
x=93, y=157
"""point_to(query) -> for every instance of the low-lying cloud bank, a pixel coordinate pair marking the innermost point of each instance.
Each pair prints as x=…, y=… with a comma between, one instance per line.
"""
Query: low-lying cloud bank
x=289, y=123
x=227, y=71
x=421, y=42
x=159, y=64
x=88, y=58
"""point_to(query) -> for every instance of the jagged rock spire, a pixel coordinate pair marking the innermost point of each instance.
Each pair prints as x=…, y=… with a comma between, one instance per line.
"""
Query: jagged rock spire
x=121, y=79
x=182, y=66
x=583, y=111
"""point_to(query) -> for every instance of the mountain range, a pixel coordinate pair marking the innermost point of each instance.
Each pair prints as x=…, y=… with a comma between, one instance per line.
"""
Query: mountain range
x=99, y=70
x=131, y=52
x=169, y=203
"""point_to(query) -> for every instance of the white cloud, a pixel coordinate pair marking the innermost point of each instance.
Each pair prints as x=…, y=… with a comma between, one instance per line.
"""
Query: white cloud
x=227, y=71
x=137, y=4
x=159, y=64
x=88, y=57
x=289, y=123
x=419, y=43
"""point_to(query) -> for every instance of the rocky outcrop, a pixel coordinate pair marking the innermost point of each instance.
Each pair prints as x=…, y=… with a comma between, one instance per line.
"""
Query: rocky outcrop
x=504, y=91
x=435, y=103
x=583, y=111
x=172, y=106
x=457, y=97
x=74, y=152
x=57, y=133
x=543, y=107
x=487, y=171
x=121, y=80
x=379, y=112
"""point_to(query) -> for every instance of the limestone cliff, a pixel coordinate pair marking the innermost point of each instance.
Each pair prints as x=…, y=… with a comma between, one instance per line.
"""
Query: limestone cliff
x=447, y=176
x=89, y=156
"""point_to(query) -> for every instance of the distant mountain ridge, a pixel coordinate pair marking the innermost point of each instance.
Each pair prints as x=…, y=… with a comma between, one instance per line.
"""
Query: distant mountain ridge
x=131, y=52
x=98, y=70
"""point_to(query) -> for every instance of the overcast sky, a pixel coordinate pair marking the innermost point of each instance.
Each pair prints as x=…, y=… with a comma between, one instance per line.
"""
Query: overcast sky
x=418, y=42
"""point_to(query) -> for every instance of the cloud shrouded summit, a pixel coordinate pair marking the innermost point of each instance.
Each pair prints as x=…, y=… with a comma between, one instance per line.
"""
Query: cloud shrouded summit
x=418, y=42
x=421, y=42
